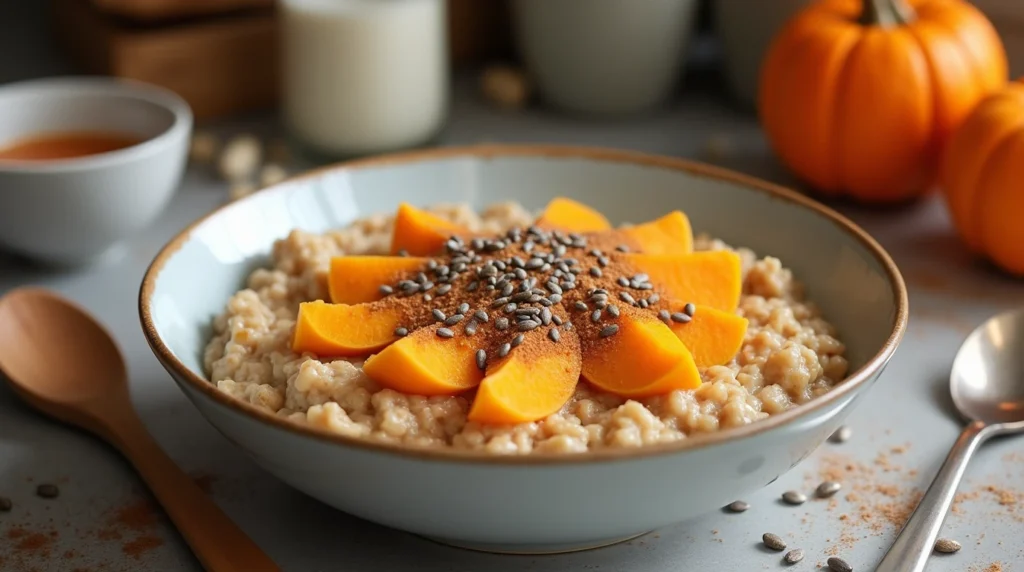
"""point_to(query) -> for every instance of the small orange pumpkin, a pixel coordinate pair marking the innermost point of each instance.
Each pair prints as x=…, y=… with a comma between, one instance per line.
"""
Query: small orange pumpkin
x=858, y=97
x=982, y=174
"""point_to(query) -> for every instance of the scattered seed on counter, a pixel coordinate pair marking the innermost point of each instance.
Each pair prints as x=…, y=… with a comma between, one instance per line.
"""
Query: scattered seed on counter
x=504, y=86
x=737, y=506
x=48, y=491
x=5, y=504
x=794, y=556
x=240, y=189
x=947, y=546
x=841, y=435
x=272, y=174
x=827, y=489
x=240, y=158
x=836, y=564
x=773, y=541
x=203, y=147
x=794, y=497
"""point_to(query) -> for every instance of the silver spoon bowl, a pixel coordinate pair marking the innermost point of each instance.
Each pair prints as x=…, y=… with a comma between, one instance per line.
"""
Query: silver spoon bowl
x=987, y=385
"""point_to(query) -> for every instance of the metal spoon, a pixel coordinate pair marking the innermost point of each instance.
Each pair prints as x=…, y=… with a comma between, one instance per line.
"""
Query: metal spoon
x=987, y=383
x=63, y=363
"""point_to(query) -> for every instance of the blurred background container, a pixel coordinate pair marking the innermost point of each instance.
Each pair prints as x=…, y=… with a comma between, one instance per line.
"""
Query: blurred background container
x=363, y=76
x=604, y=56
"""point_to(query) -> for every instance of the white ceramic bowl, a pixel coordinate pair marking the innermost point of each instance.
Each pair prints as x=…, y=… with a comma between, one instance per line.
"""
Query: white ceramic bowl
x=73, y=211
x=528, y=503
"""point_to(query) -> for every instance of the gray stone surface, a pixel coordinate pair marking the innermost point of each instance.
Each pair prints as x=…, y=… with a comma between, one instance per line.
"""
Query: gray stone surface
x=902, y=429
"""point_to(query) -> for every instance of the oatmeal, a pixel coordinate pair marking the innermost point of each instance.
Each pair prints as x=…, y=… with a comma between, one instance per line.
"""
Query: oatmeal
x=789, y=355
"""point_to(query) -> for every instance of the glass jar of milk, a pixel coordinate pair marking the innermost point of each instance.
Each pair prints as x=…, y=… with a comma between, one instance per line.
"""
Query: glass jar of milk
x=364, y=76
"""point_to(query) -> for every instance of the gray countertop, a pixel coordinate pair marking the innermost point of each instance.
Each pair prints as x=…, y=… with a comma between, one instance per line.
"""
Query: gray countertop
x=901, y=431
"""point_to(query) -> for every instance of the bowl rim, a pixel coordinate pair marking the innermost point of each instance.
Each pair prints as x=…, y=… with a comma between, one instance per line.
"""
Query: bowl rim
x=72, y=86
x=852, y=382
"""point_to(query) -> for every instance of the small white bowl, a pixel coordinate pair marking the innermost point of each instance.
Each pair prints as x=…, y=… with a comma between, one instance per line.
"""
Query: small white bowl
x=529, y=503
x=71, y=212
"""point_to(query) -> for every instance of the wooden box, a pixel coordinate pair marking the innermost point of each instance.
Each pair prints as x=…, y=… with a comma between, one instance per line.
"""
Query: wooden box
x=221, y=65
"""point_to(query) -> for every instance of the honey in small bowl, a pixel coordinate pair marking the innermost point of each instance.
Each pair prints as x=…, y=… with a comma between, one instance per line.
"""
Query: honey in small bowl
x=66, y=145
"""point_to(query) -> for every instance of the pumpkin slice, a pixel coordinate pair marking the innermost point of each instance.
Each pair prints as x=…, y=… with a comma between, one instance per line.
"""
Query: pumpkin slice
x=357, y=279
x=569, y=215
x=425, y=364
x=534, y=381
x=420, y=233
x=670, y=234
x=643, y=358
x=712, y=336
x=344, y=330
x=708, y=278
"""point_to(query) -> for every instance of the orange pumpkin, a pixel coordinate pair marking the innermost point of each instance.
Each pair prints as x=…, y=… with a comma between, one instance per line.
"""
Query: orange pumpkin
x=982, y=174
x=859, y=97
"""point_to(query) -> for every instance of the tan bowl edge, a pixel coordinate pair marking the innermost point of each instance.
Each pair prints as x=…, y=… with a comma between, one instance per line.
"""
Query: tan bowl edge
x=852, y=381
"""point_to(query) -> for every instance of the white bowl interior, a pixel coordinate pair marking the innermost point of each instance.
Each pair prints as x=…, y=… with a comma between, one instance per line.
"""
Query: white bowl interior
x=35, y=108
x=840, y=273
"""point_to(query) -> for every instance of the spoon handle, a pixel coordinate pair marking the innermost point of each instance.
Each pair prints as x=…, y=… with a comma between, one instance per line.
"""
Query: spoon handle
x=916, y=541
x=215, y=540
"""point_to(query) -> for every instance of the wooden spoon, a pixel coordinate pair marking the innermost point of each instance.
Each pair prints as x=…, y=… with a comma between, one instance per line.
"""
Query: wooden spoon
x=59, y=360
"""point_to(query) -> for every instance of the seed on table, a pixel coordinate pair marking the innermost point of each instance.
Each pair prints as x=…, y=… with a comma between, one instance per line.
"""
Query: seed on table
x=836, y=564
x=596, y=316
x=401, y=332
x=443, y=289
x=603, y=261
x=426, y=286
x=613, y=310
x=5, y=504
x=947, y=546
x=664, y=316
x=794, y=556
x=622, y=281
x=841, y=435
x=481, y=315
x=737, y=506
x=553, y=287
x=794, y=497
x=385, y=289
x=567, y=325
x=545, y=316
x=596, y=272
x=554, y=335
x=453, y=319
x=501, y=324
x=681, y=318
x=827, y=489
x=519, y=273
x=463, y=308
x=48, y=491
x=773, y=541
x=653, y=299
x=643, y=304
x=555, y=298
x=609, y=331
x=481, y=359
x=517, y=340
x=689, y=309
x=439, y=315
x=504, y=349
x=510, y=307
x=471, y=327
x=427, y=297
x=556, y=319
x=627, y=298
x=445, y=333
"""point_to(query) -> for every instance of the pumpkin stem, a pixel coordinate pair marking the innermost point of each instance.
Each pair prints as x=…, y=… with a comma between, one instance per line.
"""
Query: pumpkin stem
x=886, y=13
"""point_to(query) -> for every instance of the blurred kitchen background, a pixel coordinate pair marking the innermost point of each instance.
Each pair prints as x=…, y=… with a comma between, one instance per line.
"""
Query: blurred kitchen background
x=318, y=83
